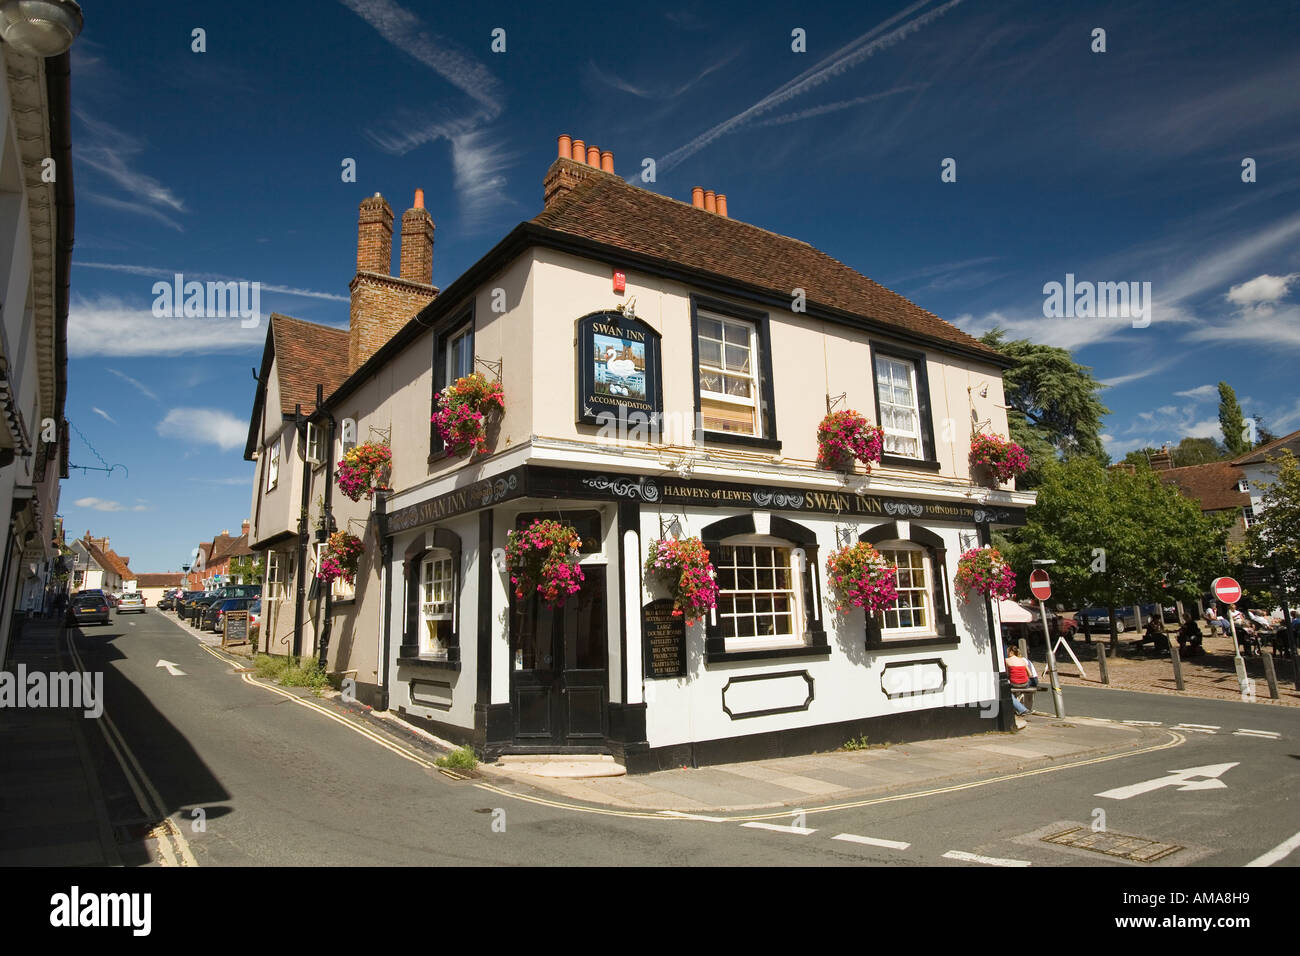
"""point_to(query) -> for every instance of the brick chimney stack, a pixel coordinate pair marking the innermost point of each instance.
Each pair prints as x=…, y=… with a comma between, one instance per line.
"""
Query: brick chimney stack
x=1162, y=460
x=417, y=242
x=381, y=302
x=243, y=528
x=575, y=163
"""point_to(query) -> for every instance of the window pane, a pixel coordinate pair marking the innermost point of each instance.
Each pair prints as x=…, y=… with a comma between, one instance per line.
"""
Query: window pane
x=710, y=352
x=711, y=328
x=737, y=334
x=737, y=358
x=740, y=387
x=710, y=382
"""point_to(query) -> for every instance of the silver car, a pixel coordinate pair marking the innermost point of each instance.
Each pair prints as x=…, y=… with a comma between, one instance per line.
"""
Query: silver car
x=130, y=602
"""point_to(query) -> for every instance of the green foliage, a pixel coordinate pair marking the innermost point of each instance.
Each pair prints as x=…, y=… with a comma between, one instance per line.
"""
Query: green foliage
x=1116, y=537
x=1277, y=533
x=292, y=671
x=1055, y=410
x=462, y=758
x=1198, y=451
x=857, y=743
x=247, y=569
x=1232, y=422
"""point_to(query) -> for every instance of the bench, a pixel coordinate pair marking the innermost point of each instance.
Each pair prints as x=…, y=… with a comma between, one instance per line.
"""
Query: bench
x=1026, y=693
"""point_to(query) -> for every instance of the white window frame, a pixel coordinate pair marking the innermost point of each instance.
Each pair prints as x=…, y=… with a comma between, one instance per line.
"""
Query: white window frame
x=344, y=445
x=450, y=372
x=754, y=402
x=436, y=567
x=930, y=629
x=340, y=590
x=313, y=443
x=1244, y=485
x=1248, y=515
x=798, y=615
x=889, y=430
x=273, y=466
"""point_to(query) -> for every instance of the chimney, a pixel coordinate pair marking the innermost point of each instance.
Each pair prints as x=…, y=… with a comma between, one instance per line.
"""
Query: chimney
x=710, y=201
x=243, y=528
x=417, y=243
x=1162, y=460
x=697, y=197
x=574, y=165
x=722, y=205
x=375, y=236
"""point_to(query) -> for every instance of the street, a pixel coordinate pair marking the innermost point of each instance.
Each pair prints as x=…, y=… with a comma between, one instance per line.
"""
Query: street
x=279, y=783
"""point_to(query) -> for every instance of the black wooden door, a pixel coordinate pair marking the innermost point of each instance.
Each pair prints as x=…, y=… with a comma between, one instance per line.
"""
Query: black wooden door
x=560, y=676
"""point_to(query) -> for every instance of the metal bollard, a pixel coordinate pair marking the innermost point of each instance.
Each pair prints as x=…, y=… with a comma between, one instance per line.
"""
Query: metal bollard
x=1178, y=668
x=1101, y=663
x=1270, y=675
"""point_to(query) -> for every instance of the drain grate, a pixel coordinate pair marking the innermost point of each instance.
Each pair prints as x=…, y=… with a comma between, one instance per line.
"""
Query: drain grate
x=1114, y=844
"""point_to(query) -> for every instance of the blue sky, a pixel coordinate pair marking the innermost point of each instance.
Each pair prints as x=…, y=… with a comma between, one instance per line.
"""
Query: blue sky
x=1117, y=166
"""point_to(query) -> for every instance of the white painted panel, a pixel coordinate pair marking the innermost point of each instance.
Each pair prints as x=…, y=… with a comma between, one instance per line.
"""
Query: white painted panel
x=912, y=678
x=767, y=693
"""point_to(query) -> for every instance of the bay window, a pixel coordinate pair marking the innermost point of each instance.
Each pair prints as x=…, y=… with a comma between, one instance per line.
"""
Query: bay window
x=437, y=603
x=759, y=590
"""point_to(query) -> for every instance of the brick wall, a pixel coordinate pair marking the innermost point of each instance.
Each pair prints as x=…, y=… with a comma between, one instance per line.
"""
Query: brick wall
x=381, y=305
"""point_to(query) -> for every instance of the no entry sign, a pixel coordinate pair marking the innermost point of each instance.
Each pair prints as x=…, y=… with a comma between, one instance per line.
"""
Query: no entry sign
x=1226, y=590
x=1040, y=584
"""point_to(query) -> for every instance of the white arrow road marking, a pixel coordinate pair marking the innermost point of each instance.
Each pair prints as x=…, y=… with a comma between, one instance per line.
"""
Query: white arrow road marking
x=800, y=831
x=1279, y=852
x=976, y=858
x=171, y=668
x=1246, y=732
x=1198, y=728
x=1182, y=779
x=871, y=841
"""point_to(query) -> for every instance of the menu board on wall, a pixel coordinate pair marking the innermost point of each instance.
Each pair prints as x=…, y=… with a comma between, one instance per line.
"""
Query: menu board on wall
x=663, y=636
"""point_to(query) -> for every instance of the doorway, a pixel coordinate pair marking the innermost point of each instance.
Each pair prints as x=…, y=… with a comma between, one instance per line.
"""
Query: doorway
x=559, y=670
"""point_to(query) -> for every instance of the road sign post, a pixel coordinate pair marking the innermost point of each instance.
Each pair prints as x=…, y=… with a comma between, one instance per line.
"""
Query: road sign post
x=1041, y=587
x=1228, y=591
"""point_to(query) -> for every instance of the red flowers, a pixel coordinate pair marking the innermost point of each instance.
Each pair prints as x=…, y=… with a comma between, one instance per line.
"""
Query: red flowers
x=844, y=436
x=364, y=470
x=684, y=566
x=985, y=570
x=860, y=575
x=1005, y=458
x=463, y=408
x=341, y=556
x=540, y=561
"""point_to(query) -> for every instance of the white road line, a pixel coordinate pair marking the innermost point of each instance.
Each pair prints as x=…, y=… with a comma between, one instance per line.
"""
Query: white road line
x=1266, y=734
x=680, y=815
x=1143, y=723
x=975, y=858
x=1198, y=728
x=1279, y=852
x=799, y=831
x=871, y=841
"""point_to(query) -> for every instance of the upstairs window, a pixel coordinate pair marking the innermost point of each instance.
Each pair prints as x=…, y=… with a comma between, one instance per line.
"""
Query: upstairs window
x=1248, y=516
x=728, y=377
x=897, y=399
x=460, y=354
x=273, y=465
x=313, y=443
x=453, y=358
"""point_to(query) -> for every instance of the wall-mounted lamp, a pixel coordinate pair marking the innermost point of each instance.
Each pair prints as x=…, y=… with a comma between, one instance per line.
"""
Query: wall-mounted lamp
x=40, y=27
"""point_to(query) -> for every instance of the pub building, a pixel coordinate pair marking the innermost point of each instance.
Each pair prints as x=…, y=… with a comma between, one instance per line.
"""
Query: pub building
x=665, y=368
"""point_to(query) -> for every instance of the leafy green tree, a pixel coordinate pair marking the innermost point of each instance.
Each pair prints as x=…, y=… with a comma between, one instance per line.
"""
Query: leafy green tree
x=1118, y=539
x=1277, y=532
x=1232, y=422
x=1140, y=457
x=1055, y=409
x=247, y=568
x=1198, y=451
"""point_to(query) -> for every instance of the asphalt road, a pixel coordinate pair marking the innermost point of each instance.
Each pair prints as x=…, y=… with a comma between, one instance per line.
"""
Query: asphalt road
x=282, y=784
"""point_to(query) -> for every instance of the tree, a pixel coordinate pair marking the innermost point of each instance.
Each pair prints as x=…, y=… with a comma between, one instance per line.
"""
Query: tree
x=1118, y=539
x=1276, y=534
x=1263, y=435
x=1232, y=422
x=1140, y=457
x=247, y=568
x=1054, y=410
x=1198, y=451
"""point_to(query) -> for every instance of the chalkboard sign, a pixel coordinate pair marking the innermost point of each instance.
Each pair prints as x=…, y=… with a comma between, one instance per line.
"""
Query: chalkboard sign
x=236, y=631
x=664, y=639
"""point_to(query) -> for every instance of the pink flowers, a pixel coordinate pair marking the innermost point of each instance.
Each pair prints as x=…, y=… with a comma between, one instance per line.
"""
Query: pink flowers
x=859, y=575
x=985, y=570
x=1004, y=457
x=463, y=408
x=684, y=566
x=540, y=561
x=364, y=470
x=340, y=559
x=844, y=436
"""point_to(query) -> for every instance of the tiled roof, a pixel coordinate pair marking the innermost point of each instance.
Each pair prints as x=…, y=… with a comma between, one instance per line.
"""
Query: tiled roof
x=305, y=354
x=225, y=546
x=161, y=580
x=106, y=558
x=1213, y=484
x=606, y=209
x=1272, y=449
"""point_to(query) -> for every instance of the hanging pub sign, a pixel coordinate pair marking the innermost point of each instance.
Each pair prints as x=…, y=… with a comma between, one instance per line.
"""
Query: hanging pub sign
x=619, y=379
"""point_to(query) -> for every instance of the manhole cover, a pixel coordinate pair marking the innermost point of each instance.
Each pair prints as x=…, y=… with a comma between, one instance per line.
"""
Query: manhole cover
x=1113, y=844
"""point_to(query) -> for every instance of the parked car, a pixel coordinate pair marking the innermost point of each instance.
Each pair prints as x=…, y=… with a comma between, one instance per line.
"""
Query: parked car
x=1099, y=618
x=131, y=602
x=197, y=607
x=214, y=616
x=1060, y=626
x=185, y=603
x=88, y=607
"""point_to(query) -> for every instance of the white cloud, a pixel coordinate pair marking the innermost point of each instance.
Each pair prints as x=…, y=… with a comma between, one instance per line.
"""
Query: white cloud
x=103, y=504
x=1262, y=293
x=169, y=275
x=104, y=414
x=110, y=151
x=1200, y=392
x=204, y=425
x=1265, y=328
x=106, y=326
x=144, y=389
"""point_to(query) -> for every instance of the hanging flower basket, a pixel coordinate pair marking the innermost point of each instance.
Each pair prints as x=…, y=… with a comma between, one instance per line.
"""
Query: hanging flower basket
x=985, y=571
x=463, y=411
x=1002, y=459
x=542, y=560
x=845, y=436
x=859, y=575
x=365, y=469
x=340, y=558
x=683, y=566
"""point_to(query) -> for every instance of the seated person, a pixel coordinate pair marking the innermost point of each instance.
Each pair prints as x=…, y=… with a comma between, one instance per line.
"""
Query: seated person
x=1018, y=671
x=1154, y=633
x=1189, y=637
